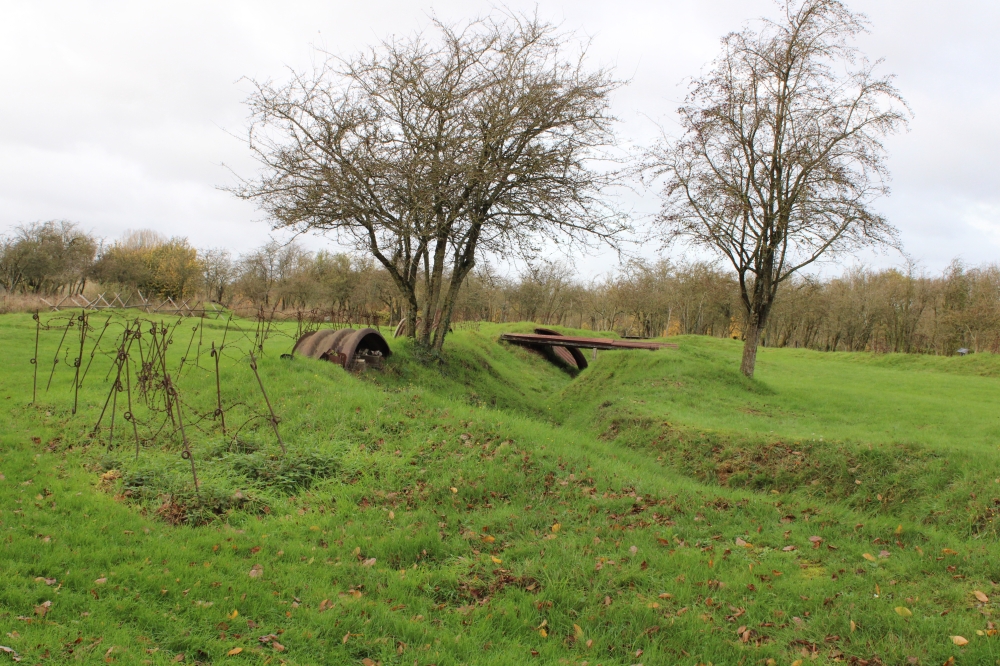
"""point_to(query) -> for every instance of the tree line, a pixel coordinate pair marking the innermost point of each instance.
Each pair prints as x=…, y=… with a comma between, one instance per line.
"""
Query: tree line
x=880, y=310
x=59, y=259
x=864, y=309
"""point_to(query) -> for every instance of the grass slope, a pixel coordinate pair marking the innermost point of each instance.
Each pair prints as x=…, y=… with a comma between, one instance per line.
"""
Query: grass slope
x=657, y=509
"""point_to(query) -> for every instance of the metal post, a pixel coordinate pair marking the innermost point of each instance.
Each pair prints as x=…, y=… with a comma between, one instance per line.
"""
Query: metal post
x=79, y=360
x=34, y=360
x=55, y=359
x=218, y=388
x=274, y=419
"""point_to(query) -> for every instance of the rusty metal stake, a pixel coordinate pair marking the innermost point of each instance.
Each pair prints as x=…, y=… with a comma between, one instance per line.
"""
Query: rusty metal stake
x=115, y=388
x=274, y=418
x=34, y=360
x=79, y=360
x=166, y=378
x=55, y=360
x=94, y=350
x=201, y=334
x=186, y=453
x=218, y=389
x=122, y=353
x=129, y=416
x=186, y=351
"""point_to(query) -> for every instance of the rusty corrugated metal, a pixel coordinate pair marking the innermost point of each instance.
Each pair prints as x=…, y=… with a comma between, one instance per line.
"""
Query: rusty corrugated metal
x=574, y=342
x=352, y=348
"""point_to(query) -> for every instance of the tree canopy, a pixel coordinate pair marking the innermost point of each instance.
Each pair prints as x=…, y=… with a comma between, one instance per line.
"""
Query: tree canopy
x=428, y=152
x=782, y=154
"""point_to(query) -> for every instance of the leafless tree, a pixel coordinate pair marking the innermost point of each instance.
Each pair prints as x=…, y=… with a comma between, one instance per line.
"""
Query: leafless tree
x=218, y=272
x=47, y=258
x=782, y=153
x=426, y=153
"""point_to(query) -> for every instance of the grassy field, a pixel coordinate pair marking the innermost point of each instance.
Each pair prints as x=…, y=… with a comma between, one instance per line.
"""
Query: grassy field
x=492, y=509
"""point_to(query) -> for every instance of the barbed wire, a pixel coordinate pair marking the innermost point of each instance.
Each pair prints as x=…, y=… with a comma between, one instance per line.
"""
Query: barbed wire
x=141, y=366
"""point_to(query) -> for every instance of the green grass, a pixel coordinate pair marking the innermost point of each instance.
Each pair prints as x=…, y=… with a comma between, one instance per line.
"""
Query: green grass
x=492, y=509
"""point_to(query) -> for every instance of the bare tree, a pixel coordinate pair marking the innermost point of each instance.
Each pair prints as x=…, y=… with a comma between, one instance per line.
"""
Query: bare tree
x=47, y=258
x=218, y=272
x=426, y=154
x=782, y=153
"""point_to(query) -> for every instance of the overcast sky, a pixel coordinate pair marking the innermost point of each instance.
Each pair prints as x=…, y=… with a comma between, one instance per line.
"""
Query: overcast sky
x=122, y=115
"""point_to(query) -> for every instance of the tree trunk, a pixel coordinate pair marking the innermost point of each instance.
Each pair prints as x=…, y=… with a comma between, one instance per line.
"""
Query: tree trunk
x=465, y=260
x=750, y=343
x=441, y=326
x=431, y=313
x=410, y=330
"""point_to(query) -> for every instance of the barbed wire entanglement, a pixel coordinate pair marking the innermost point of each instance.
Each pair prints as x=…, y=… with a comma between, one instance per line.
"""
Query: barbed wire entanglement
x=156, y=389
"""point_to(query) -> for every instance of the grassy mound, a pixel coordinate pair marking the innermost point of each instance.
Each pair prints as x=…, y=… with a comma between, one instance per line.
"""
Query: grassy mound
x=492, y=509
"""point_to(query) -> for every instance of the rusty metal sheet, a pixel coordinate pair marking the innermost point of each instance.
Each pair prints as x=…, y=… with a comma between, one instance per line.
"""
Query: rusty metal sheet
x=580, y=342
x=352, y=348
x=569, y=356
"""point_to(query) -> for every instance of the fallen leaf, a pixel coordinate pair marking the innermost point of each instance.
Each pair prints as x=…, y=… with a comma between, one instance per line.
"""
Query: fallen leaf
x=370, y=562
x=489, y=539
x=869, y=557
x=741, y=542
x=256, y=571
x=788, y=549
x=234, y=614
x=179, y=658
x=883, y=554
x=392, y=515
x=899, y=530
x=454, y=490
x=43, y=608
x=235, y=651
x=496, y=560
x=277, y=646
x=797, y=662
x=633, y=550
x=577, y=631
x=959, y=640
x=949, y=551
x=9, y=650
x=981, y=596
x=556, y=527
x=101, y=581
x=903, y=611
x=346, y=636
x=853, y=626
